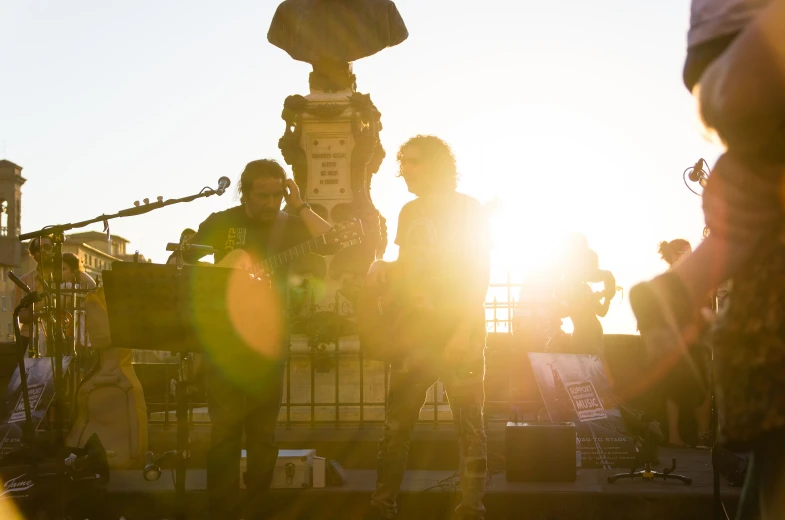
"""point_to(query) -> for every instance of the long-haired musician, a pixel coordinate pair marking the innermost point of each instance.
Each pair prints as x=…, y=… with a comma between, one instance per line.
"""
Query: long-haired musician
x=244, y=390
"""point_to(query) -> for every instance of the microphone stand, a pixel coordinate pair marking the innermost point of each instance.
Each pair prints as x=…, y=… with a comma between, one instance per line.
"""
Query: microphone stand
x=57, y=234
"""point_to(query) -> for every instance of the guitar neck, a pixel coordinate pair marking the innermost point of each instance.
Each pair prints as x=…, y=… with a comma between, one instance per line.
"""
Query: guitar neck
x=271, y=264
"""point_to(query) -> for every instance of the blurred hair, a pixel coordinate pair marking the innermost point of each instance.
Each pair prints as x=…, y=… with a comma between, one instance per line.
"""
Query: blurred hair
x=257, y=170
x=436, y=153
x=187, y=232
x=73, y=262
x=666, y=249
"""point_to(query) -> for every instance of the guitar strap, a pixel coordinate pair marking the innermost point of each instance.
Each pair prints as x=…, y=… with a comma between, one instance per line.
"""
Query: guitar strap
x=276, y=234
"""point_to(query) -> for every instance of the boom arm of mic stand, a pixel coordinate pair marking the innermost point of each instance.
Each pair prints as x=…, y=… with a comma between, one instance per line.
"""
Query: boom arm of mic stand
x=128, y=212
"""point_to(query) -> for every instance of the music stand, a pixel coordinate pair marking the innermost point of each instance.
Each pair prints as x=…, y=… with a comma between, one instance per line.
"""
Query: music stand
x=183, y=309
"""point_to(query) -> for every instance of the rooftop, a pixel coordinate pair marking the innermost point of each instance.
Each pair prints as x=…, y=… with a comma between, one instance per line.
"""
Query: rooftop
x=6, y=163
x=89, y=236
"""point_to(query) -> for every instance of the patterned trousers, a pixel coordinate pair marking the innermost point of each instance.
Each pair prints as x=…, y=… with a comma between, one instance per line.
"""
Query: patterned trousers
x=466, y=394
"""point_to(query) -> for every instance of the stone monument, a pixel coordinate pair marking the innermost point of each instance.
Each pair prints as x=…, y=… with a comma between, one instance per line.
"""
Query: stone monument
x=331, y=140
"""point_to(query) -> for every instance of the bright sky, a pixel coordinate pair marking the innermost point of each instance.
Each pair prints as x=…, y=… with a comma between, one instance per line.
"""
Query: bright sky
x=572, y=113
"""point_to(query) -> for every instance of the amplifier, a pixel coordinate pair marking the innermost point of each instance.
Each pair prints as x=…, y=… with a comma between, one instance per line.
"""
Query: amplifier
x=540, y=452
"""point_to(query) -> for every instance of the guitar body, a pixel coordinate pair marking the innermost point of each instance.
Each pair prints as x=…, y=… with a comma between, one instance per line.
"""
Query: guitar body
x=110, y=402
x=236, y=259
x=399, y=320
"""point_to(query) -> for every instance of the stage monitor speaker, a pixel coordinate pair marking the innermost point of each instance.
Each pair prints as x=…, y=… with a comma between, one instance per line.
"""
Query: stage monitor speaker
x=541, y=452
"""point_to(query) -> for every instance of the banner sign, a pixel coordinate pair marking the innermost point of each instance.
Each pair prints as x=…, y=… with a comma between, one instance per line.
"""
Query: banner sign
x=574, y=388
x=41, y=392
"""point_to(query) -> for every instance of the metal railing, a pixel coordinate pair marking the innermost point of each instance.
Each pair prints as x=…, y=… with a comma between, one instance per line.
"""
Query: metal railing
x=335, y=385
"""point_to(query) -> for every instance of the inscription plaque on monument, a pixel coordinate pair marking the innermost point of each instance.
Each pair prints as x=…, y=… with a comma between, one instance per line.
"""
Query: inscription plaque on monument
x=328, y=162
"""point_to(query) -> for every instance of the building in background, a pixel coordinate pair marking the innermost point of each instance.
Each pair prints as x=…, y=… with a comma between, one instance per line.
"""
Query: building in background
x=11, y=250
x=96, y=250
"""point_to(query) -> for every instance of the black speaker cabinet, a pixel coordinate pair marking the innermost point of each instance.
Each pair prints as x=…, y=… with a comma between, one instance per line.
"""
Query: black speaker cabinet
x=540, y=452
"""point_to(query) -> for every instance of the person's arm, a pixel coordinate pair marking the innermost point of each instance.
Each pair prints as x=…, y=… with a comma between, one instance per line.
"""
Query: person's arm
x=604, y=303
x=315, y=224
x=379, y=269
x=204, y=236
x=603, y=306
x=86, y=280
x=742, y=93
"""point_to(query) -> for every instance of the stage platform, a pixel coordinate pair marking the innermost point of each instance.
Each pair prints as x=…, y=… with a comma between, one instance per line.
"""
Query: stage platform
x=433, y=456
x=590, y=497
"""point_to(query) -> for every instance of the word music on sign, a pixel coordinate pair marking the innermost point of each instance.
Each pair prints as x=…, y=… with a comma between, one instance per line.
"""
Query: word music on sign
x=586, y=401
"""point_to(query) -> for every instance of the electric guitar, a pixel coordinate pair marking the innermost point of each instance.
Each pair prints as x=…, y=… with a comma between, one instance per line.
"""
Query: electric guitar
x=343, y=234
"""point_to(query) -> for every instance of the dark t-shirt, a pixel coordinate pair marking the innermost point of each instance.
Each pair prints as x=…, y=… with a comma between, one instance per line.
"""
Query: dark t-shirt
x=445, y=241
x=233, y=229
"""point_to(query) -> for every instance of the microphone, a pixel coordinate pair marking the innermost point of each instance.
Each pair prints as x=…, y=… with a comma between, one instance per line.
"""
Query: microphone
x=19, y=283
x=223, y=183
x=697, y=171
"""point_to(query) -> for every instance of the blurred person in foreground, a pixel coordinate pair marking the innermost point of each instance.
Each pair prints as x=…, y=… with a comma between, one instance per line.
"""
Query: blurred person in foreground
x=736, y=69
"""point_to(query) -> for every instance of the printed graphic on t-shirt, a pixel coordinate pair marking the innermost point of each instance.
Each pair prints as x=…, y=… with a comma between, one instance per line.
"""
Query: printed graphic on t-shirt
x=235, y=238
x=421, y=237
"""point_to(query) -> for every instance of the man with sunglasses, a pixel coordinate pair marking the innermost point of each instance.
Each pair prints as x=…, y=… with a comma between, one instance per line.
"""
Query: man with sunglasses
x=42, y=251
x=244, y=385
x=444, y=241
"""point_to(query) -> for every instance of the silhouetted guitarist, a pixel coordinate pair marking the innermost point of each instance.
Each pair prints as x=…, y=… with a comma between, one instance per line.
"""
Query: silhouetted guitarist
x=445, y=257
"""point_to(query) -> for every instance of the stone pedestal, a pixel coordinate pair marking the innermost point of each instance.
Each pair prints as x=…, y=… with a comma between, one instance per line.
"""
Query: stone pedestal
x=331, y=140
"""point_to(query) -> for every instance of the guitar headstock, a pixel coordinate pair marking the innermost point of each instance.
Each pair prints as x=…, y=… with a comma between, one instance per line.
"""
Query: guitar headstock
x=349, y=231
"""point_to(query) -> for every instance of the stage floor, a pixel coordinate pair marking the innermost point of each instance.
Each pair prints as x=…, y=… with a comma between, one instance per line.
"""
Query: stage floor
x=589, y=497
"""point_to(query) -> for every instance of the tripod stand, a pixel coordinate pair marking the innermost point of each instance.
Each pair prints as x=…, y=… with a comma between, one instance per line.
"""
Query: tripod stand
x=181, y=455
x=647, y=436
x=649, y=474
